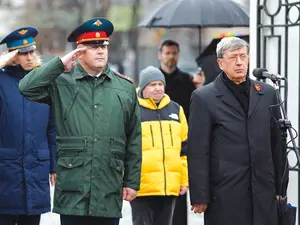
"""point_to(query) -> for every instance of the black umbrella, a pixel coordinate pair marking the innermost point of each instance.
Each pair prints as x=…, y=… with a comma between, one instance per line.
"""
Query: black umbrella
x=211, y=48
x=197, y=13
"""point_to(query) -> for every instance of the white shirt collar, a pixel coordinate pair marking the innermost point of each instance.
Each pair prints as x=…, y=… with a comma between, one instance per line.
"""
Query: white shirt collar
x=97, y=75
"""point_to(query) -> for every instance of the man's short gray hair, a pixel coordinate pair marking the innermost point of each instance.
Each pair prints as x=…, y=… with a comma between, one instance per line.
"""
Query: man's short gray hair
x=232, y=43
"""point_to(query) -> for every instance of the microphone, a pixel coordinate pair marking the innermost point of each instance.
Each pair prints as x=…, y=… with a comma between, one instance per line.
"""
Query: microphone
x=262, y=73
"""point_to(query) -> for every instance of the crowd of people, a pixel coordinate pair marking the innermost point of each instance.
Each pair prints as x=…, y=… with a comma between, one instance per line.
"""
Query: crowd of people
x=101, y=140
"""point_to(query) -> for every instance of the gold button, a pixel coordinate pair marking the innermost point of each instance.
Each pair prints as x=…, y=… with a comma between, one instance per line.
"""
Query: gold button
x=93, y=177
x=95, y=140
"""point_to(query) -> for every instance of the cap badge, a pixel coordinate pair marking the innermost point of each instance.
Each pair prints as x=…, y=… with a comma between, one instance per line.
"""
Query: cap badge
x=22, y=32
x=25, y=42
x=97, y=35
x=98, y=23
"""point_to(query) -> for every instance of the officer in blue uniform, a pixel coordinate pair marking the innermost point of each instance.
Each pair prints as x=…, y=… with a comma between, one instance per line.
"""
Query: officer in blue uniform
x=27, y=137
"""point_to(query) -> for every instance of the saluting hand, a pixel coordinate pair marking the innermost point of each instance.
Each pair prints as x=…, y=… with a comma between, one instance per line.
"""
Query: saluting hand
x=69, y=59
x=5, y=58
x=129, y=194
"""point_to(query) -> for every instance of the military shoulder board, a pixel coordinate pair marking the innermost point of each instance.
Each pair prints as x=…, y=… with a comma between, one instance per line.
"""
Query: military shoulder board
x=124, y=77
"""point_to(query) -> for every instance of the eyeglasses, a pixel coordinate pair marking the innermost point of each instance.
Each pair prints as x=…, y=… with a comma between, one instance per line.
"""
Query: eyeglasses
x=234, y=58
x=170, y=53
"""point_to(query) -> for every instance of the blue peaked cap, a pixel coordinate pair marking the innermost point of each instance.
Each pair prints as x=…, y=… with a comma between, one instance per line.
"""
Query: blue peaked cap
x=21, y=39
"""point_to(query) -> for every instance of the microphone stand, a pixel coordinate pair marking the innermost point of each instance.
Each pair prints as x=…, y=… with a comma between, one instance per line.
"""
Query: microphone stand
x=285, y=128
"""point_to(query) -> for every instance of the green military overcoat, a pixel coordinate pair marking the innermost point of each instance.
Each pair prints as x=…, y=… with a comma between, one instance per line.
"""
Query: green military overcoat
x=98, y=136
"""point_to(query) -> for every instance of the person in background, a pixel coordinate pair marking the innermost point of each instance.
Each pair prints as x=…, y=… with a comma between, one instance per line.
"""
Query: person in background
x=199, y=78
x=164, y=139
x=179, y=87
x=27, y=137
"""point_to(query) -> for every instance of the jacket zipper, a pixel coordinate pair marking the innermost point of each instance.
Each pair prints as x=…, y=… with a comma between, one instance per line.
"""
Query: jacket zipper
x=152, y=135
x=163, y=146
x=24, y=146
x=171, y=134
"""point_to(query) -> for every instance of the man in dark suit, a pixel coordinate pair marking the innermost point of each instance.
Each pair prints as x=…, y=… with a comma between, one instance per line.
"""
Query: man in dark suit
x=234, y=146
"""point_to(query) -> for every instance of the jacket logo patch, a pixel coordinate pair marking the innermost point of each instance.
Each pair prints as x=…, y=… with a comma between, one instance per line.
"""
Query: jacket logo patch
x=174, y=116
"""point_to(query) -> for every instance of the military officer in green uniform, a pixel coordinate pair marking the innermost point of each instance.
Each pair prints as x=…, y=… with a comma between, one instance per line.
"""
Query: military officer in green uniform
x=98, y=128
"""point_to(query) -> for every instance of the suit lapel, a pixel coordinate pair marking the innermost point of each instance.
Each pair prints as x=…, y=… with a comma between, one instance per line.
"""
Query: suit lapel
x=256, y=93
x=227, y=97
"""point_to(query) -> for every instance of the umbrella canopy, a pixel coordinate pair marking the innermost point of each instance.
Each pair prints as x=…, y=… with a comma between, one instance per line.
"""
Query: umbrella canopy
x=211, y=48
x=198, y=13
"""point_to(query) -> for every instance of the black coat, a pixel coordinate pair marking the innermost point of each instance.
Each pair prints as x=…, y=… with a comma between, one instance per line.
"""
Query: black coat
x=234, y=159
x=180, y=86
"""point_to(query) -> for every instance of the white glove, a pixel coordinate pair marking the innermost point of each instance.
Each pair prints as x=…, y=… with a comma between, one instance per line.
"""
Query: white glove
x=5, y=58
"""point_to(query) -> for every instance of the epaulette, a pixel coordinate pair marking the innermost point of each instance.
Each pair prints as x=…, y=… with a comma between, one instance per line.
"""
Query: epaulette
x=124, y=77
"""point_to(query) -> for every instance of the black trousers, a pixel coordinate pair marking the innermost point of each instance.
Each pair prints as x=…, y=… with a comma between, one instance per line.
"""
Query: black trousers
x=180, y=213
x=87, y=220
x=153, y=210
x=20, y=220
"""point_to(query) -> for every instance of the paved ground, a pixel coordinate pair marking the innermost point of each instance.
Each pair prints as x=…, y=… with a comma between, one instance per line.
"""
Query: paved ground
x=53, y=219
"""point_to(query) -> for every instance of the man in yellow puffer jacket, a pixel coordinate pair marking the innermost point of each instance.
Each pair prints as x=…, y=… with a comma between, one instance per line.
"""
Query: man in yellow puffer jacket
x=164, y=165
